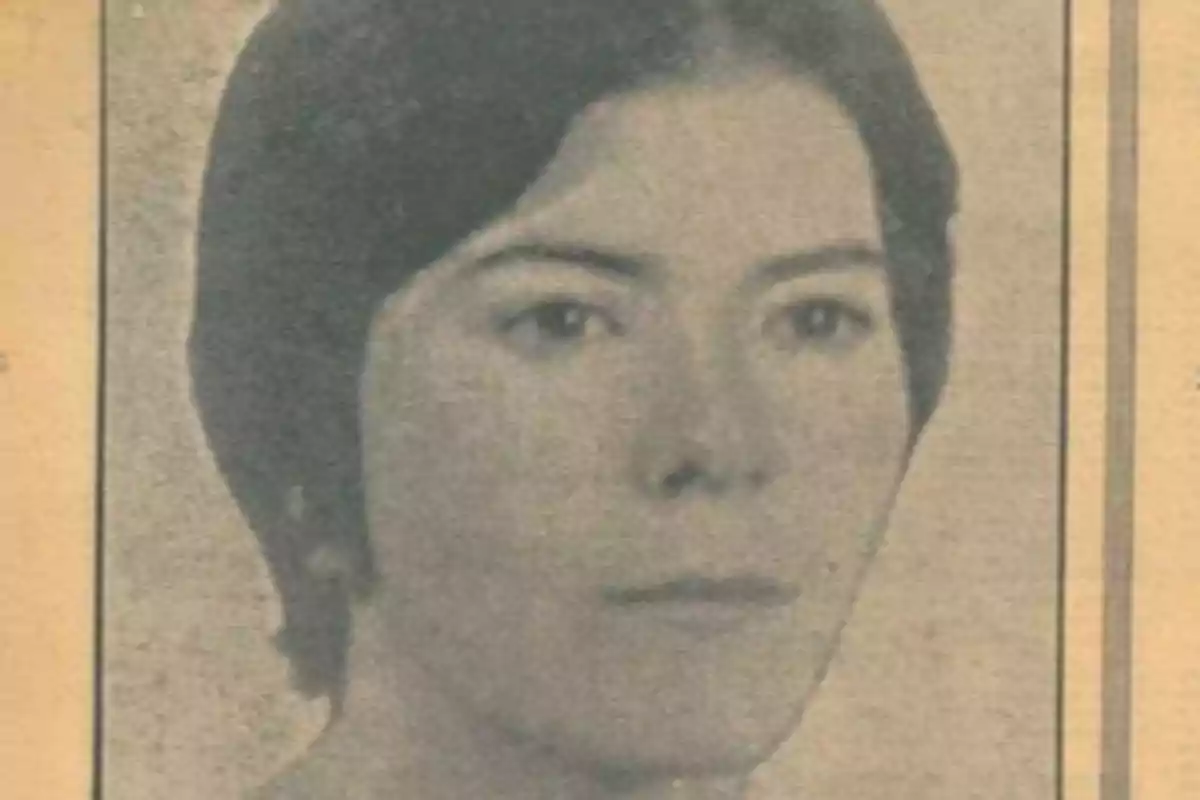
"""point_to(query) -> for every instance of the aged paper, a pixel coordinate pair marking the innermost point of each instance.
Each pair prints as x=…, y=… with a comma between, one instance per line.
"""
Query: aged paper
x=966, y=668
x=49, y=157
x=1167, y=652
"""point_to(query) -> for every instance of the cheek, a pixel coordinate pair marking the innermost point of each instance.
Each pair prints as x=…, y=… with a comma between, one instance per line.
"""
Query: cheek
x=473, y=459
x=845, y=427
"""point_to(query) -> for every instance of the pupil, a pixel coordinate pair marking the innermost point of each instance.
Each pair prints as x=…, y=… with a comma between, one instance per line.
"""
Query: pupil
x=562, y=320
x=818, y=320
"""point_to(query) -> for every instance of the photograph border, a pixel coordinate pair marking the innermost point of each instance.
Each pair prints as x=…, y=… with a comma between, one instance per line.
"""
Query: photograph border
x=1115, y=629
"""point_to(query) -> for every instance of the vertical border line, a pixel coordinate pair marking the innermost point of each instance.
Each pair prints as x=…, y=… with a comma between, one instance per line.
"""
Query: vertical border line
x=101, y=393
x=1120, y=423
x=1064, y=401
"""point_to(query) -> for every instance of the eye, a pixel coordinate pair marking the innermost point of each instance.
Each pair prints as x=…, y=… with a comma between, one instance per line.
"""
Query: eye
x=824, y=322
x=556, y=324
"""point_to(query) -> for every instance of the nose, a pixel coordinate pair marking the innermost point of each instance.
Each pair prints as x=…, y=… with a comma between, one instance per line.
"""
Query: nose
x=705, y=431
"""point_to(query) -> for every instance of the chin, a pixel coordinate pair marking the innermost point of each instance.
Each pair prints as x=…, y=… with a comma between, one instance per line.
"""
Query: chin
x=725, y=730
x=675, y=750
x=655, y=705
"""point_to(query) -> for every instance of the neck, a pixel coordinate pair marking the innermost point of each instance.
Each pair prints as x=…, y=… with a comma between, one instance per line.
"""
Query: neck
x=401, y=736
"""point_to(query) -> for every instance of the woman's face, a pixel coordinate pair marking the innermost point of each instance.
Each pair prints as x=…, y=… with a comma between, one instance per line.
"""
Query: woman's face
x=630, y=449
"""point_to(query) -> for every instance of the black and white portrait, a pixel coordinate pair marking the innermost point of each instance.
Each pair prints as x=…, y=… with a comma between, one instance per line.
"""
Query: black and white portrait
x=584, y=399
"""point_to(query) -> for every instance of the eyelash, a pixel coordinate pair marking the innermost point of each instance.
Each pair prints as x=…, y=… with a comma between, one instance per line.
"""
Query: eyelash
x=533, y=327
x=839, y=324
x=558, y=323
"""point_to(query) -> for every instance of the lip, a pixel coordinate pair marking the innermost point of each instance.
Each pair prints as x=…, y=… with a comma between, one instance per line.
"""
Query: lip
x=703, y=619
x=705, y=606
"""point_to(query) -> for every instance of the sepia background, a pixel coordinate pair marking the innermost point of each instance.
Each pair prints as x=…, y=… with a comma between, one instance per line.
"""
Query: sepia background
x=946, y=683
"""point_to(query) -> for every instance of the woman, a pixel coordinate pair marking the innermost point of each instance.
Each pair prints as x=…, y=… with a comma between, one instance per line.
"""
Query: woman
x=566, y=358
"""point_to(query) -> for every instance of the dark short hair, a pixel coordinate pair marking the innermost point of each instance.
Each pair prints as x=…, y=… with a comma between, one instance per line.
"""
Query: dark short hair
x=359, y=140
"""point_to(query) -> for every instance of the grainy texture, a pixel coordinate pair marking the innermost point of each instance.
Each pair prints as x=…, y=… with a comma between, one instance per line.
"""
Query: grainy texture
x=945, y=685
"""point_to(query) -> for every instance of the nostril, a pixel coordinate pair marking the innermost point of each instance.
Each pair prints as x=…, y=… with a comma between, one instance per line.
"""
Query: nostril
x=758, y=478
x=678, y=480
x=695, y=474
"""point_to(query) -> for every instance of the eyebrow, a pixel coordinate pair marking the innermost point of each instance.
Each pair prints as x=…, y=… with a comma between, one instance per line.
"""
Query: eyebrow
x=841, y=255
x=569, y=254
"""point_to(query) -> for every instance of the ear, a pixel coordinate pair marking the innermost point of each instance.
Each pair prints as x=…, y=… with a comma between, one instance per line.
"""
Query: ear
x=294, y=503
x=329, y=563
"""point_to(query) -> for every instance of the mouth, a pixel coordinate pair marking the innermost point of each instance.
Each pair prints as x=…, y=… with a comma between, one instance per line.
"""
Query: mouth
x=702, y=605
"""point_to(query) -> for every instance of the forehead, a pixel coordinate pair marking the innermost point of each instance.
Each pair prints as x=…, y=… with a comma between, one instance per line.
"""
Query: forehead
x=764, y=156
x=706, y=180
